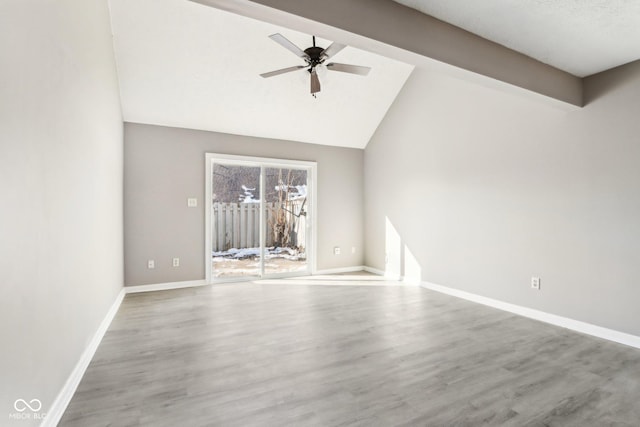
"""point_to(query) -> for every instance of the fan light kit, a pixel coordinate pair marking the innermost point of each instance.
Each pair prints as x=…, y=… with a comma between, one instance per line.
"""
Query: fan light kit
x=314, y=56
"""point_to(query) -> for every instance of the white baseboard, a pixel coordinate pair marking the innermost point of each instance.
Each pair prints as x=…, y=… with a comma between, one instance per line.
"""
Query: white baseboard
x=373, y=271
x=163, y=286
x=340, y=270
x=387, y=275
x=564, y=322
x=56, y=411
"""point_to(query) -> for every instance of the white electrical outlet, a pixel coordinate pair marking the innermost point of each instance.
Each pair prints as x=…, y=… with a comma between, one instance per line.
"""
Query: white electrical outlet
x=176, y=262
x=535, y=283
x=151, y=264
x=192, y=202
x=336, y=250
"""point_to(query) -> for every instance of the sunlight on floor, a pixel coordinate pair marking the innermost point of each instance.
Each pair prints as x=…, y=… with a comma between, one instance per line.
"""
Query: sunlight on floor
x=359, y=278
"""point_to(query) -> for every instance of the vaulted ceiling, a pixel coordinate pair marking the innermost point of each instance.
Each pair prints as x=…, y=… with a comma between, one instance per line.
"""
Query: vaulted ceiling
x=582, y=37
x=186, y=65
x=196, y=64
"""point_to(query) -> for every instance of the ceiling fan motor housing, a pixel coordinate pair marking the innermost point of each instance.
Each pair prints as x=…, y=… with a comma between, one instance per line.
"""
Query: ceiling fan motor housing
x=315, y=55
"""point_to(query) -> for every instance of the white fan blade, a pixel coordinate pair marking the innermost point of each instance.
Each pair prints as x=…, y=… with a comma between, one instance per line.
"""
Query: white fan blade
x=284, y=42
x=315, y=82
x=347, y=68
x=282, y=71
x=332, y=50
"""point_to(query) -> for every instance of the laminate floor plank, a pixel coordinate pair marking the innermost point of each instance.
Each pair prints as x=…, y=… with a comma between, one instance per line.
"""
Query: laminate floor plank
x=332, y=351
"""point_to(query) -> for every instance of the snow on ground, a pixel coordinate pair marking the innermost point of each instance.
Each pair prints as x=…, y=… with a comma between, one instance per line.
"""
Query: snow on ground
x=273, y=252
x=232, y=267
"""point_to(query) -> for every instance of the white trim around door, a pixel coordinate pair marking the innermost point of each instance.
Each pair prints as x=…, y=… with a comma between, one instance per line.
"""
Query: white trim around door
x=263, y=162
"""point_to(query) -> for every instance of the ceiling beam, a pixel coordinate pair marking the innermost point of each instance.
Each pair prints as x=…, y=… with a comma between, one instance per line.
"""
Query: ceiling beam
x=397, y=31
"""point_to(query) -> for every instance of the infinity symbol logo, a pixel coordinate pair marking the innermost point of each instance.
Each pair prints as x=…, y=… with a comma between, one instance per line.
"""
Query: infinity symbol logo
x=21, y=405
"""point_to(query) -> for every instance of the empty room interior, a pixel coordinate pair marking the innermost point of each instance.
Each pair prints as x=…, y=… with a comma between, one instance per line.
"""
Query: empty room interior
x=319, y=213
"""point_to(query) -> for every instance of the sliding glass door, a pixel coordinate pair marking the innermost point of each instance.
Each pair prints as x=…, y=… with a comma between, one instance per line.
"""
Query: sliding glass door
x=259, y=217
x=235, y=220
x=286, y=212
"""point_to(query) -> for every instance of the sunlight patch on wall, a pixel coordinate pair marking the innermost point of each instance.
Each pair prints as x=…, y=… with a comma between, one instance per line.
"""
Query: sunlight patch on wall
x=412, y=269
x=393, y=251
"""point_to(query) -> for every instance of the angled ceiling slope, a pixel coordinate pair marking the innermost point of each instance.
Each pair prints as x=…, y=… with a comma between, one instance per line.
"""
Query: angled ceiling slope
x=582, y=37
x=186, y=65
x=400, y=32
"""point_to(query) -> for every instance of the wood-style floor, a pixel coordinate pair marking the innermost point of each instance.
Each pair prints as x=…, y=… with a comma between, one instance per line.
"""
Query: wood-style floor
x=282, y=353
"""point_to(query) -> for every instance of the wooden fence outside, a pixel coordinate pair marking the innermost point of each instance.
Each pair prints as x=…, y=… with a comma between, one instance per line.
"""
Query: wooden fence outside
x=237, y=225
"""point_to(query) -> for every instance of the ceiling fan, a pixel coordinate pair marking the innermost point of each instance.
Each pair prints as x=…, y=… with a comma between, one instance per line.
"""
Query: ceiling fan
x=314, y=56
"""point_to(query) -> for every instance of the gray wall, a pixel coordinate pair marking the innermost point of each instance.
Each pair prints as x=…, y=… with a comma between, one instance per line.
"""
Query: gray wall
x=486, y=190
x=61, y=264
x=164, y=166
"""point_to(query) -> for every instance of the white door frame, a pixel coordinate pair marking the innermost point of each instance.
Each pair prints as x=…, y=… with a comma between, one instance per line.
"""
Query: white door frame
x=312, y=179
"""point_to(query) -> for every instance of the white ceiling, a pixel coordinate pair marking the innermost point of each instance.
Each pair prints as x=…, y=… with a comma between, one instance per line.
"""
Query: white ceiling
x=582, y=37
x=186, y=65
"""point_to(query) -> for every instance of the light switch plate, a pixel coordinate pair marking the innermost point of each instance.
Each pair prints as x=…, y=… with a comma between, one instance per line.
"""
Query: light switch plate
x=192, y=202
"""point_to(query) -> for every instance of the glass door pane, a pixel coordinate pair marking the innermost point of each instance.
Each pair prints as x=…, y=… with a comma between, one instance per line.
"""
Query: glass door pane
x=286, y=220
x=235, y=221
